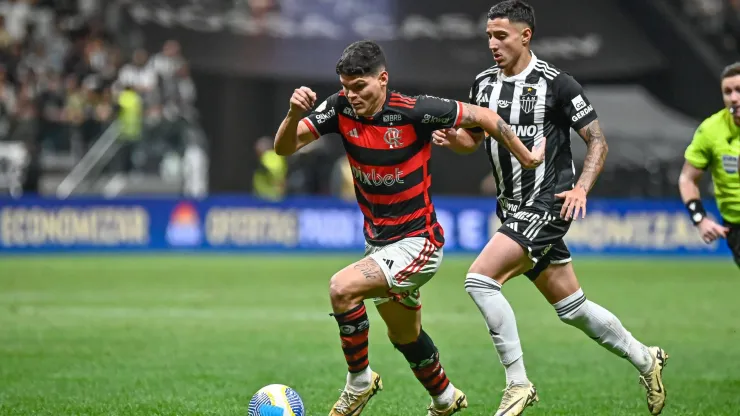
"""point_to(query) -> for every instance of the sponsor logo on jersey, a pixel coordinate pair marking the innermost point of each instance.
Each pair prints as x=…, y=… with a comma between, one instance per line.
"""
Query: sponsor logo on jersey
x=374, y=178
x=578, y=102
x=393, y=138
x=349, y=112
x=391, y=117
x=524, y=131
x=503, y=103
x=324, y=117
x=583, y=113
x=509, y=204
x=353, y=133
x=430, y=119
x=528, y=99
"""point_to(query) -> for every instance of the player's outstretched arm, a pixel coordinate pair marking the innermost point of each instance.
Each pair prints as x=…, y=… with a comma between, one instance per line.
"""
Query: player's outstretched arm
x=488, y=120
x=292, y=134
x=688, y=186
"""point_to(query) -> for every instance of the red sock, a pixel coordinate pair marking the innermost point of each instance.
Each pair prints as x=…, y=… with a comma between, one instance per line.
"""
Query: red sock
x=354, y=327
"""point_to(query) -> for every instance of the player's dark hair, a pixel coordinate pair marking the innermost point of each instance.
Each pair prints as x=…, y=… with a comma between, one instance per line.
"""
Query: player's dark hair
x=731, y=70
x=361, y=58
x=515, y=10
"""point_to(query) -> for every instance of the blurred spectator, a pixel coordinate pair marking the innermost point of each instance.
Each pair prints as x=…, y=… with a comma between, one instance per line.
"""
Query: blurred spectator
x=342, y=183
x=140, y=76
x=5, y=38
x=719, y=19
x=17, y=13
x=130, y=117
x=269, y=178
x=68, y=68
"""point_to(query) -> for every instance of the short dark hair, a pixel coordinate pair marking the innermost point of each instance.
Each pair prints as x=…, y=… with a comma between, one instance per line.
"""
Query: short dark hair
x=361, y=58
x=731, y=70
x=514, y=10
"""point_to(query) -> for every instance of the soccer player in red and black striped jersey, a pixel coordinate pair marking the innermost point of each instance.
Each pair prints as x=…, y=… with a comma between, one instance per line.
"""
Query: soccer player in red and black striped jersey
x=387, y=137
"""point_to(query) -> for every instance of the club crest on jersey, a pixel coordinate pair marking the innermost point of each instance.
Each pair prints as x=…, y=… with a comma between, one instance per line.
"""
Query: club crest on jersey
x=528, y=99
x=393, y=138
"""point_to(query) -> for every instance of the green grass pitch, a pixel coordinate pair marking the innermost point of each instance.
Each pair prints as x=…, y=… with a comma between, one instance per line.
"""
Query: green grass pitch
x=198, y=335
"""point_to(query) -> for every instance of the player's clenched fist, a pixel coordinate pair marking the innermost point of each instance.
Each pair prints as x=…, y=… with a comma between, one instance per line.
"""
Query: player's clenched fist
x=444, y=137
x=303, y=100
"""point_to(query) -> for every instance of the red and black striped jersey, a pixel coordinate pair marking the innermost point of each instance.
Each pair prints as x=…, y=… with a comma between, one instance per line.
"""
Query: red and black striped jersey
x=389, y=155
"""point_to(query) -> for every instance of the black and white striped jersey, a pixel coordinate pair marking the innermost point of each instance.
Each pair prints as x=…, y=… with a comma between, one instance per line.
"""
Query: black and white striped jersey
x=541, y=101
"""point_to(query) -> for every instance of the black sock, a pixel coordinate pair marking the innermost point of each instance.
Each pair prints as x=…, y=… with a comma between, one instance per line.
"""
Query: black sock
x=423, y=357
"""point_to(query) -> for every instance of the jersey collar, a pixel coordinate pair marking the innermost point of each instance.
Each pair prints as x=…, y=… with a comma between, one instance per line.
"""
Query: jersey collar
x=522, y=76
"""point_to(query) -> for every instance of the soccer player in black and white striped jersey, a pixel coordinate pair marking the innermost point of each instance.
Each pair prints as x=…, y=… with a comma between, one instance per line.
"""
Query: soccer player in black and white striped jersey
x=537, y=206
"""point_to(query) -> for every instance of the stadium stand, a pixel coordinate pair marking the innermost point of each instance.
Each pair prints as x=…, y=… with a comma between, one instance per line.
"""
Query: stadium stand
x=83, y=107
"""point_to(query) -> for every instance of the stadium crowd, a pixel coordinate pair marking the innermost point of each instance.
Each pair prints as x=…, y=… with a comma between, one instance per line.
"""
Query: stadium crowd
x=718, y=19
x=69, y=68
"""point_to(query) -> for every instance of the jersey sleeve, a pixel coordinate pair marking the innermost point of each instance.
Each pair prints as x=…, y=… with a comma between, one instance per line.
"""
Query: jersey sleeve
x=472, y=100
x=698, y=153
x=437, y=113
x=323, y=119
x=572, y=101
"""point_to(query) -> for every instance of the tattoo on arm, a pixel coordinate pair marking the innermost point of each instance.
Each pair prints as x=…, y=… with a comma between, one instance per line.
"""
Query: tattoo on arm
x=369, y=268
x=506, y=132
x=469, y=116
x=595, y=154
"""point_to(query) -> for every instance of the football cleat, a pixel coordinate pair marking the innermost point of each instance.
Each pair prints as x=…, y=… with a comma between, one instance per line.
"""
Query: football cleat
x=459, y=402
x=653, y=381
x=352, y=404
x=516, y=399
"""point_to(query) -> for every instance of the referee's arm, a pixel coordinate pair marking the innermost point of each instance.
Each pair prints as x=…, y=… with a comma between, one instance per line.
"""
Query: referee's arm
x=688, y=182
x=688, y=186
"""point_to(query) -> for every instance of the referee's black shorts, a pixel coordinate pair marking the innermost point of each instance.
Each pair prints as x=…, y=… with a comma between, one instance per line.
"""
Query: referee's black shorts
x=733, y=240
x=541, y=235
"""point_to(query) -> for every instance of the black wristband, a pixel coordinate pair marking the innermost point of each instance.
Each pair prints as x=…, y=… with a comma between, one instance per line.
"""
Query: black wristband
x=696, y=211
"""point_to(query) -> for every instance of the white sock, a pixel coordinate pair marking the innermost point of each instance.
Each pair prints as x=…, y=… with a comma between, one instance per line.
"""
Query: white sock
x=605, y=328
x=359, y=382
x=445, y=399
x=501, y=323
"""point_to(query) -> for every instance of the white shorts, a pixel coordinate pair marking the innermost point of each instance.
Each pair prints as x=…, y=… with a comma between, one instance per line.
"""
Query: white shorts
x=407, y=264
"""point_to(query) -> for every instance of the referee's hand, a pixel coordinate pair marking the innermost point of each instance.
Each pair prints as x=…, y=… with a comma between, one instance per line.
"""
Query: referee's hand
x=710, y=230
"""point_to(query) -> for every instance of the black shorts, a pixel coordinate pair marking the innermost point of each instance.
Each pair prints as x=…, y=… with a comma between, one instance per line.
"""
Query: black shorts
x=541, y=235
x=733, y=240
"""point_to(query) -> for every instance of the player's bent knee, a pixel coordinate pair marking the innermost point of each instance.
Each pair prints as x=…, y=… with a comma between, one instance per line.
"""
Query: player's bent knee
x=341, y=290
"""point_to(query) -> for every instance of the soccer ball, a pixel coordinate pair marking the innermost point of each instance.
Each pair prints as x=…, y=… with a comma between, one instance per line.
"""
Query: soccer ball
x=276, y=400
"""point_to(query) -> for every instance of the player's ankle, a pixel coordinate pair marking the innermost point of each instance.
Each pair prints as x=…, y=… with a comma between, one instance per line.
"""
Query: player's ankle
x=359, y=382
x=516, y=374
x=445, y=399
